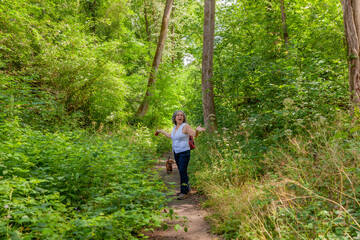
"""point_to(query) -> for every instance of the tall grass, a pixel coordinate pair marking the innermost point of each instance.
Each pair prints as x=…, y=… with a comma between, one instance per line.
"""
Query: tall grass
x=307, y=187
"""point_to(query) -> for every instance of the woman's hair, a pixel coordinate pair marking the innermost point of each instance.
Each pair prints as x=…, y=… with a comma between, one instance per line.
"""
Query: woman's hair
x=174, y=116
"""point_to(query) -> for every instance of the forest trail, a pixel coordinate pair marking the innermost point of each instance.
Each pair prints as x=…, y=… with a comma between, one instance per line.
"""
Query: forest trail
x=197, y=227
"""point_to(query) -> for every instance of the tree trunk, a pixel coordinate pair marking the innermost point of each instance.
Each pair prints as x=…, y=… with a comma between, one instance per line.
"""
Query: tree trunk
x=207, y=66
x=351, y=11
x=156, y=62
x=147, y=28
x=173, y=38
x=283, y=18
x=173, y=43
x=92, y=6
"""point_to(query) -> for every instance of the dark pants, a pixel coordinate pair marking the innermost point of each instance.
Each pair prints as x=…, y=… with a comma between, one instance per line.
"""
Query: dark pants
x=182, y=161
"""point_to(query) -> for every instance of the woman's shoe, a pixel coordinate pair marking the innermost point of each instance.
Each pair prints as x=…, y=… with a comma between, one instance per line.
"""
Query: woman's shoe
x=182, y=196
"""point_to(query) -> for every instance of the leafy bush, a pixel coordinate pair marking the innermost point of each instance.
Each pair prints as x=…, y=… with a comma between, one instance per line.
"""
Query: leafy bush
x=71, y=185
x=87, y=75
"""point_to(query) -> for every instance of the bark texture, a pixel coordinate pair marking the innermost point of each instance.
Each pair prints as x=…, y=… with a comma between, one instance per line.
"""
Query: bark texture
x=173, y=43
x=284, y=25
x=147, y=25
x=351, y=10
x=157, y=59
x=207, y=66
x=173, y=37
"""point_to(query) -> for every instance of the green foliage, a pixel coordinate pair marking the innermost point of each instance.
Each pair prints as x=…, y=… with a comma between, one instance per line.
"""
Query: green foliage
x=65, y=185
x=55, y=52
x=308, y=189
x=21, y=97
x=275, y=169
x=321, y=177
x=283, y=164
x=254, y=71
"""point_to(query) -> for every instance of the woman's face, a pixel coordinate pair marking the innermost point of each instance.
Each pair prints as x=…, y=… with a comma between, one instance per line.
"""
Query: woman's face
x=179, y=118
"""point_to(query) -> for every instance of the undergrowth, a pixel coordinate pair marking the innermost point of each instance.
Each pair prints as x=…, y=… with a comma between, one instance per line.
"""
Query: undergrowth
x=307, y=187
x=76, y=185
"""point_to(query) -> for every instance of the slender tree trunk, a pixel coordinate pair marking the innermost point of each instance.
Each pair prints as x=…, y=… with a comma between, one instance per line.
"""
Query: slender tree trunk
x=284, y=25
x=207, y=66
x=351, y=13
x=147, y=29
x=157, y=58
x=173, y=42
x=173, y=37
x=93, y=5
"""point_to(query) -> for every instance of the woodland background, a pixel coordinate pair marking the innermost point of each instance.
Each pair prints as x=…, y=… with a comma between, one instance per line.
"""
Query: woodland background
x=282, y=164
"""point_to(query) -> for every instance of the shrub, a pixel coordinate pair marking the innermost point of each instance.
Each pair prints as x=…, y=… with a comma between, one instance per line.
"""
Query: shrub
x=71, y=185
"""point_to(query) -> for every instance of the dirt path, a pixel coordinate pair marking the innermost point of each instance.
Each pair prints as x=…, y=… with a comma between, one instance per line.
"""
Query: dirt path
x=197, y=227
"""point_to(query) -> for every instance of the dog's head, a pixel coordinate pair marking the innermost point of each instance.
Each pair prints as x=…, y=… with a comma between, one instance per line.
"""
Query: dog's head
x=170, y=161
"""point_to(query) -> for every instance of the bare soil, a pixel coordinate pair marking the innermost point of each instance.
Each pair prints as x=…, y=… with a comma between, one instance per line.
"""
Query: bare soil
x=188, y=211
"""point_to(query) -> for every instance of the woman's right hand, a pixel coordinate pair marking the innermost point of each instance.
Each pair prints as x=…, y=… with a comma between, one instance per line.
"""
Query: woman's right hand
x=168, y=135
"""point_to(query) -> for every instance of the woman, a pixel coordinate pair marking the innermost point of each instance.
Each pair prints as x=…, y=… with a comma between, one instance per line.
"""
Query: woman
x=180, y=145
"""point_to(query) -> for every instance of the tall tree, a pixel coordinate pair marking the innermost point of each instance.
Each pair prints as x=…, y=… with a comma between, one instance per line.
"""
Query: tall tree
x=351, y=14
x=173, y=38
x=157, y=58
x=207, y=66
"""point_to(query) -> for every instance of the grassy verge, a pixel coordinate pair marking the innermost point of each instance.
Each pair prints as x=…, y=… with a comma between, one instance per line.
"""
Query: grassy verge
x=307, y=186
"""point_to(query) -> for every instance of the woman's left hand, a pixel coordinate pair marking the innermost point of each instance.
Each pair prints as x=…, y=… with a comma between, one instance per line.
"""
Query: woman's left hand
x=200, y=129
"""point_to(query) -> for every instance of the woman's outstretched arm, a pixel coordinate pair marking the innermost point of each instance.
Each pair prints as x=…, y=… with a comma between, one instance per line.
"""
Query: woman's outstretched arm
x=188, y=130
x=168, y=135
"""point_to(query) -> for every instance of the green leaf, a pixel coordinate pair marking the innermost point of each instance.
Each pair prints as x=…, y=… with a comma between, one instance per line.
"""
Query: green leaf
x=177, y=227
